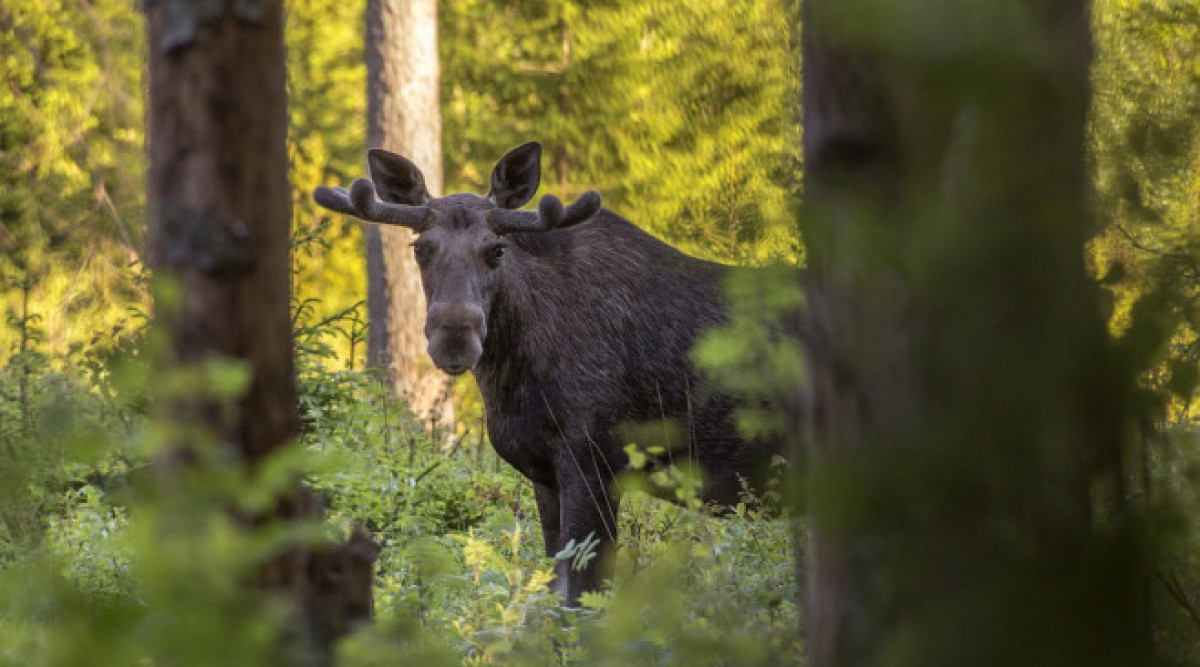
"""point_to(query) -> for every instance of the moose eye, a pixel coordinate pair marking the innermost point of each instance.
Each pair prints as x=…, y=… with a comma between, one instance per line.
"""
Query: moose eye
x=493, y=254
x=422, y=252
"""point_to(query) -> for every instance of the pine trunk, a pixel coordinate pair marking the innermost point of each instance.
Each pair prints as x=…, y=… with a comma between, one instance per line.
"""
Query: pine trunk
x=403, y=116
x=220, y=217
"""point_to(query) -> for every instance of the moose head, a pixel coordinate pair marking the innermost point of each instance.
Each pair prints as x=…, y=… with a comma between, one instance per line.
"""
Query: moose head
x=462, y=245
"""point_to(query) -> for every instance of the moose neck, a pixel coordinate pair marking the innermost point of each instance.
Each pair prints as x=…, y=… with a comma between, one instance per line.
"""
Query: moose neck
x=526, y=319
x=510, y=328
x=572, y=297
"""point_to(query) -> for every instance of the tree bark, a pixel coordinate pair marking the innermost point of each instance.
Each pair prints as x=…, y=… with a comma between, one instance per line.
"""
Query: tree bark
x=220, y=208
x=969, y=414
x=403, y=116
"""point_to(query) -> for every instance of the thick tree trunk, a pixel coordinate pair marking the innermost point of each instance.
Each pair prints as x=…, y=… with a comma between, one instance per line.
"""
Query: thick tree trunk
x=967, y=402
x=220, y=217
x=403, y=116
x=221, y=208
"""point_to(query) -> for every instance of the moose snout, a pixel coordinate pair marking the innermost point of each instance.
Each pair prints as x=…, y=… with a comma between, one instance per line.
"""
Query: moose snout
x=455, y=332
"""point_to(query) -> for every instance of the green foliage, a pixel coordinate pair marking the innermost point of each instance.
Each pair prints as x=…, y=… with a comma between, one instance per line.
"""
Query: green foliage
x=462, y=577
x=680, y=114
x=689, y=587
x=326, y=141
x=1145, y=137
x=1146, y=146
x=753, y=355
x=118, y=569
x=71, y=164
x=47, y=422
x=108, y=565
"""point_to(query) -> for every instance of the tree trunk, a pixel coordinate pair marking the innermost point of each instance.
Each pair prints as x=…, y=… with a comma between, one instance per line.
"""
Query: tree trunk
x=403, y=116
x=969, y=413
x=220, y=207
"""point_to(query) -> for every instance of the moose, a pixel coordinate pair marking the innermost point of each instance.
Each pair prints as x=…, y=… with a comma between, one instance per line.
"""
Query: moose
x=576, y=324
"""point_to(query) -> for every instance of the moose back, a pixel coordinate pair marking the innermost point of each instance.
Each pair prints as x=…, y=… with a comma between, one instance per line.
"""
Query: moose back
x=575, y=323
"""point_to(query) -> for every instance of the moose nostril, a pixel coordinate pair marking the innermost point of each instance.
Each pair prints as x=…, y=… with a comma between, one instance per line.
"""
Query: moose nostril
x=458, y=318
x=473, y=318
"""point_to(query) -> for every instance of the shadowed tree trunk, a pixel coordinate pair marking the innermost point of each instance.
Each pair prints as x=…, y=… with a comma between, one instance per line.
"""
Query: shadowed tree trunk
x=971, y=415
x=220, y=216
x=403, y=116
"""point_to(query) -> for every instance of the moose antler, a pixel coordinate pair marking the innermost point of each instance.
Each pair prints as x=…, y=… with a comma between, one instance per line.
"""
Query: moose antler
x=362, y=203
x=550, y=215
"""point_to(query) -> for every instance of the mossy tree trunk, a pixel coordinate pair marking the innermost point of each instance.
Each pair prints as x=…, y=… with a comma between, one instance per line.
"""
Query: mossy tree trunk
x=971, y=415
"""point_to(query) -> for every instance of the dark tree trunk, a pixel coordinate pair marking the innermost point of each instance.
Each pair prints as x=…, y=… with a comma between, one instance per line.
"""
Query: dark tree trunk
x=220, y=216
x=403, y=116
x=970, y=413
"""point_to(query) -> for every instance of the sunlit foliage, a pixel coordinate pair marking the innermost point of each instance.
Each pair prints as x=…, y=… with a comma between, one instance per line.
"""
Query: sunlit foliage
x=1146, y=146
x=71, y=166
x=681, y=114
x=100, y=564
x=326, y=142
x=1146, y=149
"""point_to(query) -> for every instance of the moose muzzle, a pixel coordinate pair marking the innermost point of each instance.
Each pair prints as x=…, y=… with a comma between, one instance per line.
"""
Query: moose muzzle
x=455, y=332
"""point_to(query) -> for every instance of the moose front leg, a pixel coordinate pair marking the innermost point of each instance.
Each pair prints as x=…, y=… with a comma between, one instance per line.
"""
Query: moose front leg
x=588, y=510
x=548, y=514
x=551, y=517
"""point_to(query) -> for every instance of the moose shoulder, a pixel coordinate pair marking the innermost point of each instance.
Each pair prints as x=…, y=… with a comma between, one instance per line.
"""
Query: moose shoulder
x=575, y=323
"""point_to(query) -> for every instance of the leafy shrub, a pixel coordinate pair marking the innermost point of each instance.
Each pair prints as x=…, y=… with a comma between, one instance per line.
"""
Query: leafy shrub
x=100, y=564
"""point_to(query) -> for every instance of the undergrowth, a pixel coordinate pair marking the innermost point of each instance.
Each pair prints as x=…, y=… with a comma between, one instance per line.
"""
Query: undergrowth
x=100, y=565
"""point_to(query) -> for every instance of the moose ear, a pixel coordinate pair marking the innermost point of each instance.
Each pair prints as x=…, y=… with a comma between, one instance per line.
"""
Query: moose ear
x=516, y=176
x=397, y=179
